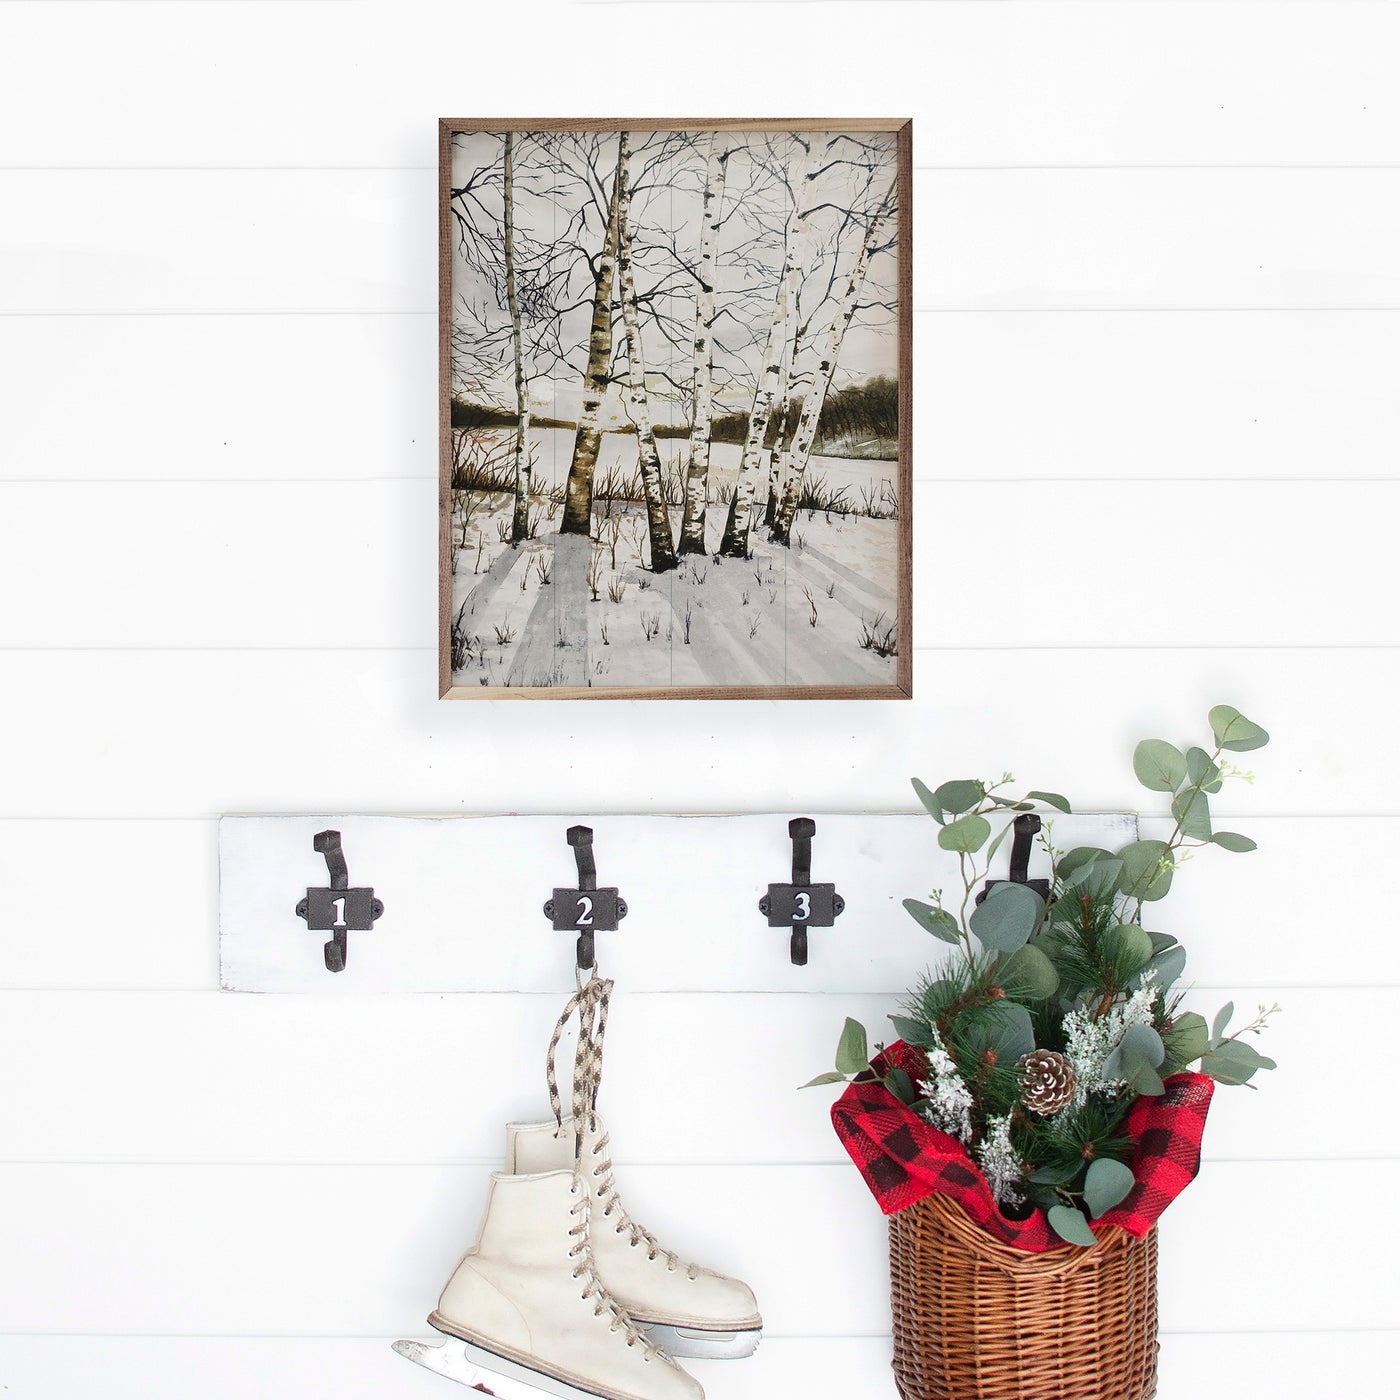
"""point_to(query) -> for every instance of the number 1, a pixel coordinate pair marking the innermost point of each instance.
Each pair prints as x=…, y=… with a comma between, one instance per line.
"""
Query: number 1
x=339, y=909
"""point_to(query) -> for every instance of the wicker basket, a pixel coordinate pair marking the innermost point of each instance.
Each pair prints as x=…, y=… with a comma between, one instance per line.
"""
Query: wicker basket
x=975, y=1319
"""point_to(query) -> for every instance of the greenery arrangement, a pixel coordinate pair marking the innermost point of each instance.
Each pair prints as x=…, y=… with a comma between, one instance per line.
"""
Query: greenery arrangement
x=1034, y=1039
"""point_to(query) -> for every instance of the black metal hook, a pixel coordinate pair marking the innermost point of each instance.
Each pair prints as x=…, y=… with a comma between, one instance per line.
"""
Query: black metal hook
x=1024, y=831
x=336, y=908
x=801, y=905
x=585, y=910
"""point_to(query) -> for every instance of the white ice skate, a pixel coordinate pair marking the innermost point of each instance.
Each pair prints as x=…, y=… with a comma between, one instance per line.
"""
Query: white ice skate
x=688, y=1310
x=526, y=1314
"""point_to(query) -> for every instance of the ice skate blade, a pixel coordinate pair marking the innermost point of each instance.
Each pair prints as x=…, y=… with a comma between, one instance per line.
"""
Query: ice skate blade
x=483, y=1371
x=701, y=1345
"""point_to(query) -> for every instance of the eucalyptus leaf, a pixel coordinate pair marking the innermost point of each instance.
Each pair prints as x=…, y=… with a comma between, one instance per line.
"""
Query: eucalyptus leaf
x=912, y=1032
x=1101, y=874
x=1222, y=1019
x=1027, y=974
x=1128, y=947
x=1233, y=841
x=1011, y=804
x=1148, y=867
x=853, y=1049
x=830, y=1077
x=898, y=1082
x=997, y=840
x=1234, y=732
x=1187, y=1039
x=1235, y=1063
x=1246, y=1054
x=1106, y=1184
x=1192, y=812
x=1203, y=773
x=1144, y=1041
x=1162, y=941
x=967, y=834
x=1164, y=969
x=961, y=795
x=1070, y=1225
x=1073, y=861
x=1050, y=799
x=1141, y=1075
x=1159, y=765
x=930, y=802
x=938, y=922
x=1004, y=1028
x=1007, y=918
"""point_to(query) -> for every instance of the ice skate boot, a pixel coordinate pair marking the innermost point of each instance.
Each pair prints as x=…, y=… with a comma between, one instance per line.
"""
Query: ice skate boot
x=688, y=1310
x=526, y=1314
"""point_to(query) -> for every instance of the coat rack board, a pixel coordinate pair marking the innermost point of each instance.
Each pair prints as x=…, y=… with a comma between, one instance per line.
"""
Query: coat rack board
x=457, y=904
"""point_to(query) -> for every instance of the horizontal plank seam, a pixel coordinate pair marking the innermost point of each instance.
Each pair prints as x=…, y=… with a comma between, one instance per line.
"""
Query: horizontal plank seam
x=419, y=478
x=308, y=313
x=671, y=1164
x=208, y=989
x=934, y=168
x=768, y=1336
x=303, y=648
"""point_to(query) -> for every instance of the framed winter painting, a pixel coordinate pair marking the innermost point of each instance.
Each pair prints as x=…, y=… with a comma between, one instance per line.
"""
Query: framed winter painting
x=675, y=409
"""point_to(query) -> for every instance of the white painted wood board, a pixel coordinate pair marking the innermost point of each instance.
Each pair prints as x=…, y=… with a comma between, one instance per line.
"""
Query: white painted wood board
x=163, y=934
x=464, y=900
x=1244, y=82
x=342, y=1251
x=304, y=565
x=257, y=241
x=181, y=733
x=250, y=1075
x=1300, y=1365
x=1265, y=396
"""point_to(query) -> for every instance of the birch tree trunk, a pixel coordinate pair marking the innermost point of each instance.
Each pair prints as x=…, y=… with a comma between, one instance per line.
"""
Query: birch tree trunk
x=735, y=543
x=520, y=520
x=578, y=489
x=806, y=433
x=663, y=550
x=782, y=446
x=697, y=472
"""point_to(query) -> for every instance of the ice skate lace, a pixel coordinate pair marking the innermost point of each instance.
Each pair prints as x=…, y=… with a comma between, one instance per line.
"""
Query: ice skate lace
x=590, y=1002
x=604, y=1303
x=613, y=1207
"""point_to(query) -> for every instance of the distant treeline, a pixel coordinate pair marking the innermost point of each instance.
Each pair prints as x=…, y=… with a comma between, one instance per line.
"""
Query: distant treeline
x=869, y=410
x=475, y=415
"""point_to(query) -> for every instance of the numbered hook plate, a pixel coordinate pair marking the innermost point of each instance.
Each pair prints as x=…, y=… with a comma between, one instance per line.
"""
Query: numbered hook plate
x=587, y=909
x=336, y=908
x=801, y=905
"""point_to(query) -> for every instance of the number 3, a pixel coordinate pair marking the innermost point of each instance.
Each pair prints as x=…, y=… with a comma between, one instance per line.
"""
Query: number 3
x=586, y=915
x=804, y=905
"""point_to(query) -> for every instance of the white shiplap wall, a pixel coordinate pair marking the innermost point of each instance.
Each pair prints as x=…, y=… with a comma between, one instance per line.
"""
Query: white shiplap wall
x=1157, y=339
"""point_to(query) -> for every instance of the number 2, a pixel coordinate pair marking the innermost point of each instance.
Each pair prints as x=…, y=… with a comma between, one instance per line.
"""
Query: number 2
x=804, y=905
x=586, y=911
x=339, y=909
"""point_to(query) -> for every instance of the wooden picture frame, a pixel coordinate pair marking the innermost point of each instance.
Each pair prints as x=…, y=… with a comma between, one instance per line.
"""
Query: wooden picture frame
x=589, y=300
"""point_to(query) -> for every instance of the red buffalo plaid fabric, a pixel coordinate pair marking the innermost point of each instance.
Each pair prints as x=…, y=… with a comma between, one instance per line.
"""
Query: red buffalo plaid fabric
x=903, y=1159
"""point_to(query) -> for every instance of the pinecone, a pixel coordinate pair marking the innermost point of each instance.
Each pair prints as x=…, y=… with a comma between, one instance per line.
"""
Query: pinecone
x=1047, y=1081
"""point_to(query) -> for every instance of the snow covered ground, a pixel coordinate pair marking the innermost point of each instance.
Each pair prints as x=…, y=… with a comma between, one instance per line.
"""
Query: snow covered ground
x=566, y=611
